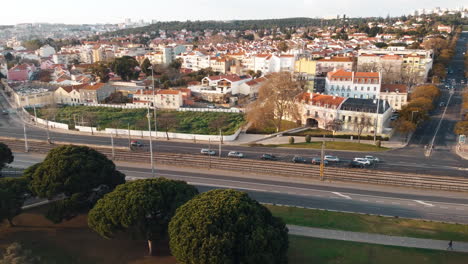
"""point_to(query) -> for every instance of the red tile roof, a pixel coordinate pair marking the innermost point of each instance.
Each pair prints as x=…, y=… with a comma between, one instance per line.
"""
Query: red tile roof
x=96, y=86
x=402, y=88
x=322, y=99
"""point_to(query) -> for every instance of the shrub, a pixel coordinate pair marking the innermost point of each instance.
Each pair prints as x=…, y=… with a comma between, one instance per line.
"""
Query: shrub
x=291, y=140
x=308, y=138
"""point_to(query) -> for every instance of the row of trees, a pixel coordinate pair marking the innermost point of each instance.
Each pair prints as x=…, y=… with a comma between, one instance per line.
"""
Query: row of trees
x=444, y=50
x=461, y=127
x=417, y=110
x=219, y=226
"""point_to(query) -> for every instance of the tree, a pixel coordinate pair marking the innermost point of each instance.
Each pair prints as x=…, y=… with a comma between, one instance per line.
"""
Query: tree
x=143, y=206
x=81, y=174
x=439, y=70
x=33, y=44
x=6, y=156
x=146, y=67
x=101, y=70
x=17, y=254
x=362, y=123
x=276, y=101
x=176, y=64
x=308, y=138
x=283, y=46
x=12, y=196
x=126, y=67
x=117, y=98
x=381, y=45
x=334, y=125
x=404, y=126
x=429, y=91
x=167, y=121
x=227, y=226
x=9, y=57
x=461, y=128
x=44, y=76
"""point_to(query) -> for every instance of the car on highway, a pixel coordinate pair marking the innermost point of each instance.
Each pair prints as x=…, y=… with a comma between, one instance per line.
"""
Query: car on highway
x=331, y=158
x=235, y=154
x=135, y=143
x=442, y=104
x=268, y=157
x=372, y=159
x=5, y=112
x=208, y=152
x=298, y=159
x=356, y=164
x=362, y=161
x=317, y=161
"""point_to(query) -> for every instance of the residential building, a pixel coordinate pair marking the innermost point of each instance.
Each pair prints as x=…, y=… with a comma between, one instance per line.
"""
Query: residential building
x=68, y=94
x=221, y=64
x=21, y=72
x=46, y=51
x=216, y=88
x=363, y=85
x=164, y=99
x=251, y=87
x=395, y=94
x=96, y=93
x=329, y=64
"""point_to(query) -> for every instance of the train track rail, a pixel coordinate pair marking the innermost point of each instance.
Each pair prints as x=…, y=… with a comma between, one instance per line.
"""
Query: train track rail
x=262, y=167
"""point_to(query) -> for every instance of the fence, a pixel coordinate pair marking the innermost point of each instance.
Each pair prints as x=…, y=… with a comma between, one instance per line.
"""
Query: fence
x=223, y=110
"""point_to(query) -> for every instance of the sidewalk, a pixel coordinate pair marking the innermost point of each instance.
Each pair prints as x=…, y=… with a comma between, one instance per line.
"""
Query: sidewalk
x=462, y=151
x=376, y=238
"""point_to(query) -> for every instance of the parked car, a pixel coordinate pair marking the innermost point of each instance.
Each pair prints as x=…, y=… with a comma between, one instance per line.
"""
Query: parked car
x=372, y=159
x=442, y=104
x=317, y=161
x=268, y=157
x=297, y=159
x=4, y=112
x=362, y=161
x=330, y=158
x=235, y=154
x=135, y=143
x=356, y=164
x=208, y=152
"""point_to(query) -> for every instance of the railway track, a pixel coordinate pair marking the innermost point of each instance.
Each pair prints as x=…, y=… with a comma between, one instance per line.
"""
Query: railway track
x=262, y=167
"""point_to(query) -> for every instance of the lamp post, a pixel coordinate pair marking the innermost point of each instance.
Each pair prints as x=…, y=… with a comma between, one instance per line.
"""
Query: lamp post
x=412, y=114
x=150, y=141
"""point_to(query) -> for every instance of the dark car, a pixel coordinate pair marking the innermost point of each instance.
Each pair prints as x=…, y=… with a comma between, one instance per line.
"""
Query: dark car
x=269, y=157
x=355, y=164
x=135, y=143
x=317, y=161
x=298, y=159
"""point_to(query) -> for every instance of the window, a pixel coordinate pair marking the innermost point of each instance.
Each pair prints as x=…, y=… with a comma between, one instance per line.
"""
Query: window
x=349, y=118
x=361, y=96
x=316, y=114
x=344, y=118
x=368, y=88
x=355, y=119
x=347, y=95
x=362, y=88
x=375, y=89
x=355, y=88
x=374, y=96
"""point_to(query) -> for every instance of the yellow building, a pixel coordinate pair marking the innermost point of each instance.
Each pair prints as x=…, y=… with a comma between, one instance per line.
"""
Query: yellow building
x=305, y=66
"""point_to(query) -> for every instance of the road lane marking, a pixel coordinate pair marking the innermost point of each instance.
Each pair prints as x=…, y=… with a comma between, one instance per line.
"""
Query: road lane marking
x=342, y=195
x=423, y=203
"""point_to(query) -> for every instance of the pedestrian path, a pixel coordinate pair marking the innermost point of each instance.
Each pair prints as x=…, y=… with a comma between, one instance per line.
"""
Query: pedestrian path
x=376, y=238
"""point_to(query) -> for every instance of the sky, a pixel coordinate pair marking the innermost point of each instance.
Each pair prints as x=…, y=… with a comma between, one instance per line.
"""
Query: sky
x=115, y=11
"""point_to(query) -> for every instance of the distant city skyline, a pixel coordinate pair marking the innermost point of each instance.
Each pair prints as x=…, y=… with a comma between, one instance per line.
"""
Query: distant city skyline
x=116, y=11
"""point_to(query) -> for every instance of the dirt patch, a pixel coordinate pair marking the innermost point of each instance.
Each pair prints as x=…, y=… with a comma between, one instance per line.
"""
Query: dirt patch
x=73, y=242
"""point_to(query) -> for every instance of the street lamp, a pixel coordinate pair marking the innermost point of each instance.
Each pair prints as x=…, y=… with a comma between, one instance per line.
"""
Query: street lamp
x=150, y=141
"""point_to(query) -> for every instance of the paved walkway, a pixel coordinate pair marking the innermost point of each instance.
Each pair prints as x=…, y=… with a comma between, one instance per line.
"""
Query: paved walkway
x=462, y=151
x=376, y=238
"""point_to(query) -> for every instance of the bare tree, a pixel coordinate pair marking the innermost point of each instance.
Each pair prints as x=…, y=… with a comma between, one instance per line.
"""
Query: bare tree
x=277, y=100
x=362, y=123
x=334, y=125
x=167, y=121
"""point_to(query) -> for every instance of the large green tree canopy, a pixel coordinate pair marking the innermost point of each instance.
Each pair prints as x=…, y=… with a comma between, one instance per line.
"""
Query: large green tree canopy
x=227, y=226
x=12, y=195
x=145, y=206
x=5, y=155
x=80, y=173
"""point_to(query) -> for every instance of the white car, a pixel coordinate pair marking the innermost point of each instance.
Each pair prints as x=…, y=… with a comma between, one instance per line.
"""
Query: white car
x=372, y=158
x=330, y=158
x=362, y=161
x=235, y=154
x=208, y=152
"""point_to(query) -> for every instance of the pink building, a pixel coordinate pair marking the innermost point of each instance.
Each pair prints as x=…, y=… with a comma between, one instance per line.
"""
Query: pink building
x=21, y=72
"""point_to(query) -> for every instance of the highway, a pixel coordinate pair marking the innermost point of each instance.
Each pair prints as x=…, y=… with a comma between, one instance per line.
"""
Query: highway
x=379, y=200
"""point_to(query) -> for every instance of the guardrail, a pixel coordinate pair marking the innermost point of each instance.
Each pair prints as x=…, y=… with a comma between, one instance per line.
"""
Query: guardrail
x=264, y=167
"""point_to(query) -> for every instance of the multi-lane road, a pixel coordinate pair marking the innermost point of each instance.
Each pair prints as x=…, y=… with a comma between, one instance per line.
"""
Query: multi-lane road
x=389, y=201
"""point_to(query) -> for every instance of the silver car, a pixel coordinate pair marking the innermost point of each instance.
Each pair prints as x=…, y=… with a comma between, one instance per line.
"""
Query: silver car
x=330, y=158
x=235, y=154
x=208, y=152
x=372, y=159
x=362, y=161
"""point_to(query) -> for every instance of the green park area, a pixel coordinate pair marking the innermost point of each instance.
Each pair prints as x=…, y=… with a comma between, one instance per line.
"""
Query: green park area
x=74, y=242
x=207, y=123
x=370, y=223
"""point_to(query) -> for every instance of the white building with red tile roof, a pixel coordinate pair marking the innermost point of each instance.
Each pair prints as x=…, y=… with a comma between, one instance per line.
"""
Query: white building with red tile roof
x=164, y=99
x=363, y=85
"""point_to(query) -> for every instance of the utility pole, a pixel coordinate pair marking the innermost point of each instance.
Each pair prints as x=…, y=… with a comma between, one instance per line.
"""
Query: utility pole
x=129, y=139
x=322, y=161
x=376, y=119
x=209, y=149
x=35, y=115
x=112, y=143
x=151, y=141
x=48, y=133
x=154, y=108
x=26, y=149
x=220, y=141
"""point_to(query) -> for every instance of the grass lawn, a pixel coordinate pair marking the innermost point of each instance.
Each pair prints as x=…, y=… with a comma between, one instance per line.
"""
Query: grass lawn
x=269, y=127
x=370, y=223
x=72, y=242
x=181, y=122
x=304, y=250
x=334, y=145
